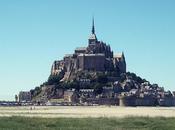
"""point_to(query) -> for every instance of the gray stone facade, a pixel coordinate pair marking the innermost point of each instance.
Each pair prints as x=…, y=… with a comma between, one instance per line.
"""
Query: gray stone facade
x=94, y=62
x=25, y=96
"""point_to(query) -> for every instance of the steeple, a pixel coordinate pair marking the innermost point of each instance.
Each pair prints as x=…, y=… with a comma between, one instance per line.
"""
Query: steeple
x=92, y=39
x=93, y=26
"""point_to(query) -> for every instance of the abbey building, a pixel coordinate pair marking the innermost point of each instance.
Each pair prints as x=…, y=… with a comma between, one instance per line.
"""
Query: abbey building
x=97, y=56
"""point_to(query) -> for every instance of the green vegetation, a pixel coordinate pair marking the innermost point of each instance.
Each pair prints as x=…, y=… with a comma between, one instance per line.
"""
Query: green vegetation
x=36, y=91
x=98, y=80
x=129, y=123
x=54, y=79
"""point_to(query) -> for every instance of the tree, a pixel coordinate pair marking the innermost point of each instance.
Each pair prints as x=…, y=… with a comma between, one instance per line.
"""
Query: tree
x=122, y=77
x=36, y=91
x=16, y=98
x=103, y=79
x=69, y=85
x=98, y=88
x=53, y=79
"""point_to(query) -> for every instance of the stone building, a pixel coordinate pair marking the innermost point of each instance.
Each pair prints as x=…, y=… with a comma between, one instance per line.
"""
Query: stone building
x=120, y=63
x=97, y=56
x=70, y=96
x=25, y=96
x=87, y=93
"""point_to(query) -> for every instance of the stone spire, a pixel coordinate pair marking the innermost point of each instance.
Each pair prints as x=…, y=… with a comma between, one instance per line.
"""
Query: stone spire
x=93, y=26
x=93, y=38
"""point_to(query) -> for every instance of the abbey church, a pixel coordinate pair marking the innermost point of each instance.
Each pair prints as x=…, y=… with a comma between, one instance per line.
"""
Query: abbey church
x=97, y=56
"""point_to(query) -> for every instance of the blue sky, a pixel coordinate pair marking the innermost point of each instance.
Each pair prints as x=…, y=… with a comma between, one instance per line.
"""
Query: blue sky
x=34, y=33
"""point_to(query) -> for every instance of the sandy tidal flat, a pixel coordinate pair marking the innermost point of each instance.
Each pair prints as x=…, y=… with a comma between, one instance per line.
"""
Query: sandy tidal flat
x=87, y=111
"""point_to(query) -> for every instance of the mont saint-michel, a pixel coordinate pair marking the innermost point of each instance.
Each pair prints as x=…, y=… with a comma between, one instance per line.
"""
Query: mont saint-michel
x=95, y=75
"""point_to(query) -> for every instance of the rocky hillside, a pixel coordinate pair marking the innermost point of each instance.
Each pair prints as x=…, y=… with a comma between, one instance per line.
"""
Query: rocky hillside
x=89, y=80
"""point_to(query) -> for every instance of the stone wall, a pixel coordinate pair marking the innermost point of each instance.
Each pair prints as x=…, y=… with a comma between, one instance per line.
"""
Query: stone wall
x=146, y=101
x=95, y=62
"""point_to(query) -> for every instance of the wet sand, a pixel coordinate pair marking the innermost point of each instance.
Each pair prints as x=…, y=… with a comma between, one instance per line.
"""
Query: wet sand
x=87, y=111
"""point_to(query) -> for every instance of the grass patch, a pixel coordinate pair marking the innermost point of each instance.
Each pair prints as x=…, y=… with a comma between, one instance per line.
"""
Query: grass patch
x=128, y=123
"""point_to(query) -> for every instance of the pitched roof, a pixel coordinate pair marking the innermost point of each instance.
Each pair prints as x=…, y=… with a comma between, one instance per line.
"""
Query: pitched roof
x=98, y=54
x=81, y=48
